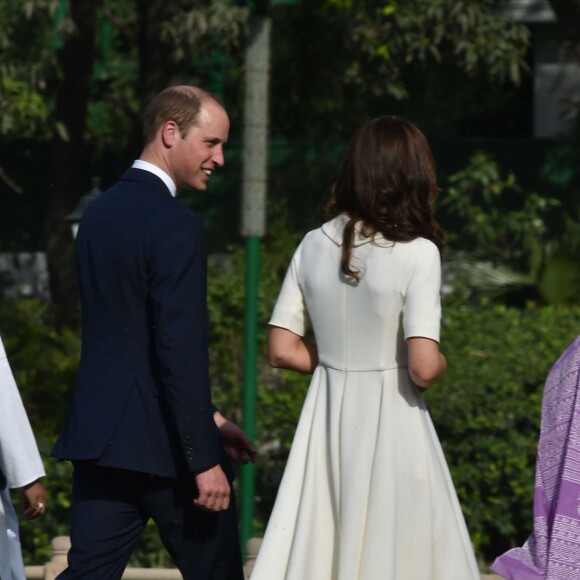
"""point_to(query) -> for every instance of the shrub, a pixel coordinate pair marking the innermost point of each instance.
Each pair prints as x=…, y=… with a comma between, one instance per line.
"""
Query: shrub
x=487, y=408
x=44, y=363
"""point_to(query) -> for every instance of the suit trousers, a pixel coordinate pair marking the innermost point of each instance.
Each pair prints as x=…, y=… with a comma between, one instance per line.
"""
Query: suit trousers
x=110, y=508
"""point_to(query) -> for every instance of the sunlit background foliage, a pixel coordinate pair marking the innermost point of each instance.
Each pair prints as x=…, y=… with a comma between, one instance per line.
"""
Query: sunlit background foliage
x=509, y=206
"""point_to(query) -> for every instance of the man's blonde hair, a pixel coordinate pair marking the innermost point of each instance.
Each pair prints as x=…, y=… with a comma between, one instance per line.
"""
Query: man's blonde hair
x=181, y=104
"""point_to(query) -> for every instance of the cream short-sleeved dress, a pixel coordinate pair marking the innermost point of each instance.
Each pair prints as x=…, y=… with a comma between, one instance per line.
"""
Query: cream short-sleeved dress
x=366, y=494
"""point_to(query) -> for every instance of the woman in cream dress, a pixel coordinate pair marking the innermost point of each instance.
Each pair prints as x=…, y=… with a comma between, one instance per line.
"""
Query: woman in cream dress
x=366, y=494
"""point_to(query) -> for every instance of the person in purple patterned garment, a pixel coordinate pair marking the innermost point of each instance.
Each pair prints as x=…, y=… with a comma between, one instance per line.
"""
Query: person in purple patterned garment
x=552, y=552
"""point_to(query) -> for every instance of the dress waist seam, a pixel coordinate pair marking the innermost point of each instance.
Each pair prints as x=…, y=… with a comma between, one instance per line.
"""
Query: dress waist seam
x=349, y=370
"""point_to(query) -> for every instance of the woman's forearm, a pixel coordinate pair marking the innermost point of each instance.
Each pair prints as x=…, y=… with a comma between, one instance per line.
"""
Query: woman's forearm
x=426, y=362
x=290, y=351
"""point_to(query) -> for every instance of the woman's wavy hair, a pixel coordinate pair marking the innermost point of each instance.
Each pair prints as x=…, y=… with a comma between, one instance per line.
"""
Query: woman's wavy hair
x=388, y=183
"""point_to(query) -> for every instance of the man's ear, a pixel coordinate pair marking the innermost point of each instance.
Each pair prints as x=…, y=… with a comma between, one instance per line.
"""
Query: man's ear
x=169, y=133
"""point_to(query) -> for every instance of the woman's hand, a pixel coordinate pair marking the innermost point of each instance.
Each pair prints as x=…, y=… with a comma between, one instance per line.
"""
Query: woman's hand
x=33, y=500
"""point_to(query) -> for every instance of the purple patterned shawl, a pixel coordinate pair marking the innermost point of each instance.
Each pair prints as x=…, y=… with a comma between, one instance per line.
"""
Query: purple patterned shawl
x=552, y=552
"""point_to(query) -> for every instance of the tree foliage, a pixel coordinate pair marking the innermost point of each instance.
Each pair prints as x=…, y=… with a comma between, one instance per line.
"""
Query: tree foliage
x=78, y=72
x=359, y=50
x=27, y=65
x=344, y=59
x=392, y=34
x=33, y=33
x=506, y=242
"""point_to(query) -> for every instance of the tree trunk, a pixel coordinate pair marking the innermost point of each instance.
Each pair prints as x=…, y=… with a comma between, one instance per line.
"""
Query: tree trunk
x=157, y=70
x=68, y=177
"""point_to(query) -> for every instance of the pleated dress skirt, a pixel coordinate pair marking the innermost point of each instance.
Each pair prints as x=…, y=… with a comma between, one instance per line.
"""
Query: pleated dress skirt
x=366, y=494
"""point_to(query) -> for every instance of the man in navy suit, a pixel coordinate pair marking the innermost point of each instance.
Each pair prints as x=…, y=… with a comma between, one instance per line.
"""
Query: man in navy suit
x=144, y=437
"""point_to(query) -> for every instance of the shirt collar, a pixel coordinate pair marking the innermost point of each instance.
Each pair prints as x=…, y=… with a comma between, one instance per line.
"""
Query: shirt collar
x=146, y=166
x=334, y=229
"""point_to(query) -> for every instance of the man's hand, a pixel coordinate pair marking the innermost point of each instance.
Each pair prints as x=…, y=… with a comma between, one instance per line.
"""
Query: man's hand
x=33, y=500
x=236, y=443
x=214, y=489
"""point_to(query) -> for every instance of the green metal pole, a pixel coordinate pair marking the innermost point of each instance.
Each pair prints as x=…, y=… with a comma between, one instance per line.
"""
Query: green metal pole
x=247, y=479
x=253, y=227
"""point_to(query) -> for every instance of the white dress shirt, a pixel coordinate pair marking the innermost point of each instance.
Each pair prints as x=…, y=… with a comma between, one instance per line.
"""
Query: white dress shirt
x=146, y=166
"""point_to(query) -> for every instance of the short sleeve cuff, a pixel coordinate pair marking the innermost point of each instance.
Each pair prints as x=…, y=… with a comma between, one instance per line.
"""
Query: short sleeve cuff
x=293, y=322
x=422, y=330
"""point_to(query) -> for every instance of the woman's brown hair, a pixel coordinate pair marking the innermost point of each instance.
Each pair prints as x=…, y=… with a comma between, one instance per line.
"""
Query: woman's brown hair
x=388, y=183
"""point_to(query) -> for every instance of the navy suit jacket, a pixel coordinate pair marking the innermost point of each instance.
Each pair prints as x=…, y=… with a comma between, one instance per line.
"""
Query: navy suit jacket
x=142, y=397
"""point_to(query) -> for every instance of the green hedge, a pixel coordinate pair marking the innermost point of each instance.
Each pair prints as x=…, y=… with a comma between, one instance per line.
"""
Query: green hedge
x=486, y=410
x=44, y=363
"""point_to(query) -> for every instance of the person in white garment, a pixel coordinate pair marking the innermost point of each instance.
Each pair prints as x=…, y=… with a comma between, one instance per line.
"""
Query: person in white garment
x=20, y=469
x=366, y=494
